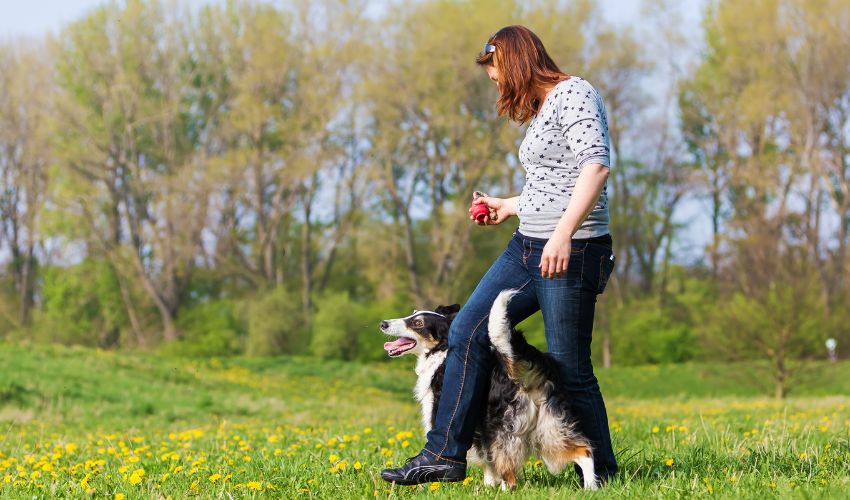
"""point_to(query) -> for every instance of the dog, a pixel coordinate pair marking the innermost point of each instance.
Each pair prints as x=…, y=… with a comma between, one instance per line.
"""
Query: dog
x=527, y=413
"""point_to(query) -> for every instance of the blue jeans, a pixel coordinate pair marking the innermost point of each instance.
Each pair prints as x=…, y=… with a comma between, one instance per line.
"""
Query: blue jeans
x=567, y=304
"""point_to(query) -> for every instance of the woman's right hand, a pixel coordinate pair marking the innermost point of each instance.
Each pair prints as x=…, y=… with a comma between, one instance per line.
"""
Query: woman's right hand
x=500, y=208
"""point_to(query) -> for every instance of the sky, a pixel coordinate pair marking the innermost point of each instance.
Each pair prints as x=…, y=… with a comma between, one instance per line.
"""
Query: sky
x=37, y=18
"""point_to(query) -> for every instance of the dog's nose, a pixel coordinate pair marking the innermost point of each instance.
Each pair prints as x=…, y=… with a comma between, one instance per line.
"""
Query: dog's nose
x=384, y=325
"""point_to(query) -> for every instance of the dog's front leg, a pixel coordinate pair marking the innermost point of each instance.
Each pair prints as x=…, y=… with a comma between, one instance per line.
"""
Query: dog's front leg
x=490, y=476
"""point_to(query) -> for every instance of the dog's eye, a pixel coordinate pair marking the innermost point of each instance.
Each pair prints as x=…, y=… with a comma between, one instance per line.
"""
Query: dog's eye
x=418, y=323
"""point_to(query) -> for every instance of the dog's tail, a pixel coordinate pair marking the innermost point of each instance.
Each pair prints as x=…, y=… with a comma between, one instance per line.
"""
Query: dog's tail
x=499, y=327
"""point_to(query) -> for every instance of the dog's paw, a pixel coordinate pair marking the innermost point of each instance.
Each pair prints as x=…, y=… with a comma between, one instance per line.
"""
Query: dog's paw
x=506, y=486
x=489, y=478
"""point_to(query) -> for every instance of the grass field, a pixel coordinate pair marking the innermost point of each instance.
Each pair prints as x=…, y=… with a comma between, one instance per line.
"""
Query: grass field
x=117, y=425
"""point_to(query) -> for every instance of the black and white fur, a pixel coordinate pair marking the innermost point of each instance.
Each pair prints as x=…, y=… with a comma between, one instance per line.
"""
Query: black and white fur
x=527, y=412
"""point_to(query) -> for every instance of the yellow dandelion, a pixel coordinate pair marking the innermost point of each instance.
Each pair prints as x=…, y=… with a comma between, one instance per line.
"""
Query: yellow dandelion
x=215, y=477
x=434, y=486
x=118, y=496
x=357, y=466
x=254, y=485
x=669, y=462
x=333, y=458
x=655, y=429
x=467, y=480
x=804, y=456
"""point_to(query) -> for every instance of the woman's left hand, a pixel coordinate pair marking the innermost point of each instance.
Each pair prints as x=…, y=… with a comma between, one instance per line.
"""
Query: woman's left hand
x=555, y=257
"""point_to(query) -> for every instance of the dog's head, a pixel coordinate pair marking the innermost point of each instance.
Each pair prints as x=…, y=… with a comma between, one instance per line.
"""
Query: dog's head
x=420, y=333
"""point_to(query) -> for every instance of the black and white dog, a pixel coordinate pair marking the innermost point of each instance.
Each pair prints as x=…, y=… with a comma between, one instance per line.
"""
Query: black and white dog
x=527, y=414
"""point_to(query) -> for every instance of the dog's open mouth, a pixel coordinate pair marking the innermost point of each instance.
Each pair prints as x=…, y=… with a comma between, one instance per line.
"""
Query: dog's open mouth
x=399, y=346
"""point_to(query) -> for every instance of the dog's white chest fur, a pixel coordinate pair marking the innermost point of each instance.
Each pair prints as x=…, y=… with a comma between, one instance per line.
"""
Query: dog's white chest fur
x=426, y=366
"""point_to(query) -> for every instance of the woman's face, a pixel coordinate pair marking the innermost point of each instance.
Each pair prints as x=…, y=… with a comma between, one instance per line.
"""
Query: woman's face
x=493, y=73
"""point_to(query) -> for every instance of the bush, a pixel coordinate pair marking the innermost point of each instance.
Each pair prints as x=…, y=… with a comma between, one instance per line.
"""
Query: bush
x=337, y=327
x=209, y=329
x=644, y=333
x=276, y=324
x=347, y=330
x=81, y=305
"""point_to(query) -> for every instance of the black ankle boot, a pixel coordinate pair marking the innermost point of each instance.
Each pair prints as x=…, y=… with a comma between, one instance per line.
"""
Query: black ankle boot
x=425, y=468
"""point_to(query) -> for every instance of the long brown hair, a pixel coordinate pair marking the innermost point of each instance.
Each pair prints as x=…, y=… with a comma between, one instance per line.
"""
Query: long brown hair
x=524, y=68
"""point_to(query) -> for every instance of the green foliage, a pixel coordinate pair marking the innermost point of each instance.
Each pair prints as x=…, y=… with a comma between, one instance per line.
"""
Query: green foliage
x=210, y=328
x=787, y=317
x=347, y=330
x=276, y=324
x=664, y=328
x=337, y=327
x=8, y=306
x=81, y=305
x=646, y=333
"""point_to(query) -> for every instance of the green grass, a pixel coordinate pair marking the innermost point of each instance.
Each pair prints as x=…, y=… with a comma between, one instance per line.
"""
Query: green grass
x=146, y=426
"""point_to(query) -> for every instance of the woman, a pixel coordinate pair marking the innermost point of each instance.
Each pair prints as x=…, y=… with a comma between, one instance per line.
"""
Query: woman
x=560, y=258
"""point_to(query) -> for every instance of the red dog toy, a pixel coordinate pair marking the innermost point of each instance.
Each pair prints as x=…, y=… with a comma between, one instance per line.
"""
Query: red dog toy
x=480, y=211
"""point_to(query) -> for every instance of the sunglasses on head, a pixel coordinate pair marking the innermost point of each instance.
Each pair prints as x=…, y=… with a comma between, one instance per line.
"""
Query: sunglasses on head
x=489, y=47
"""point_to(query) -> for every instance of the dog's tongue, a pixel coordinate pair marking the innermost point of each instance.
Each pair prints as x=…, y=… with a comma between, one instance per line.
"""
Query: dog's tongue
x=402, y=342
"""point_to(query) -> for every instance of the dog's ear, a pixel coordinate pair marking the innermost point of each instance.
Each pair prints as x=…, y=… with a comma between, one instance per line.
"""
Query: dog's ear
x=448, y=310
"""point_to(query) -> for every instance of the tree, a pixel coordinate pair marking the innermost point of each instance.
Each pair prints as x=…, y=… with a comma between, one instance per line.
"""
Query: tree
x=130, y=143
x=26, y=94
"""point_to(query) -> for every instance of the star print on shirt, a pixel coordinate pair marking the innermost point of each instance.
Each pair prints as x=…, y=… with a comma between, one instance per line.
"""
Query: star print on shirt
x=562, y=137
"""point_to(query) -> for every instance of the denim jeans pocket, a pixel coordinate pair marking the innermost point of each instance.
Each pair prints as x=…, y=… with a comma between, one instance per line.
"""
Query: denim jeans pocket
x=606, y=267
x=578, y=247
x=596, y=268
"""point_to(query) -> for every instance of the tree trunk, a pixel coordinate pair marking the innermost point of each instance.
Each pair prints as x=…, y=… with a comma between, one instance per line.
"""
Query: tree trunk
x=26, y=288
x=306, y=250
x=781, y=376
